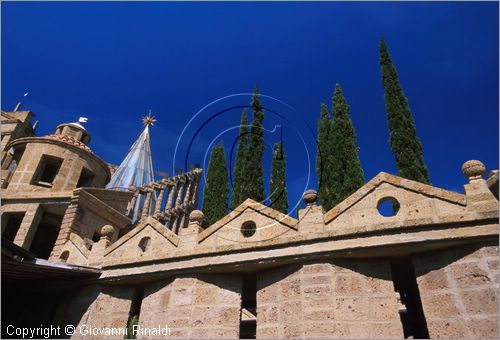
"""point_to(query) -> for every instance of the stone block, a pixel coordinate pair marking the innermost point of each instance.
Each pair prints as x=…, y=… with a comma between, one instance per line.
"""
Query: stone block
x=316, y=279
x=483, y=327
x=319, y=315
x=383, y=308
x=317, y=291
x=349, y=284
x=267, y=332
x=435, y=279
x=386, y=330
x=481, y=301
x=351, y=308
x=440, y=305
x=447, y=329
x=469, y=275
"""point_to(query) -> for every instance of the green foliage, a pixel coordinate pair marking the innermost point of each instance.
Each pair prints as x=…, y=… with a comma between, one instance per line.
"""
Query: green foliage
x=279, y=196
x=347, y=174
x=254, y=170
x=132, y=321
x=240, y=179
x=337, y=162
x=324, y=158
x=405, y=143
x=215, y=194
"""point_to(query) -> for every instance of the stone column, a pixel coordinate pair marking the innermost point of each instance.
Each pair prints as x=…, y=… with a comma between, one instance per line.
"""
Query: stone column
x=159, y=199
x=29, y=226
x=147, y=202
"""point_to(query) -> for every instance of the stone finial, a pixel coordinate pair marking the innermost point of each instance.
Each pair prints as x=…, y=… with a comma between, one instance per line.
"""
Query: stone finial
x=310, y=197
x=196, y=216
x=473, y=169
x=107, y=231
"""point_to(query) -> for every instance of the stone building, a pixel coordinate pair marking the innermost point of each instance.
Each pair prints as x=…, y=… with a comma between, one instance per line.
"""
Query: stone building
x=75, y=252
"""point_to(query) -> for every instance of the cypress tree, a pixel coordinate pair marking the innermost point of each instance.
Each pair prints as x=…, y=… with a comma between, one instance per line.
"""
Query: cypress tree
x=347, y=174
x=216, y=189
x=324, y=158
x=278, y=196
x=405, y=143
x=240, y=180
x=255, y=174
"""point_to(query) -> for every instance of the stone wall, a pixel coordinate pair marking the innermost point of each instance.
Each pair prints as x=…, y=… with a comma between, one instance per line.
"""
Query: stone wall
x=336, y=299
x=96, y=307
x=201, y=306
x=459, y=291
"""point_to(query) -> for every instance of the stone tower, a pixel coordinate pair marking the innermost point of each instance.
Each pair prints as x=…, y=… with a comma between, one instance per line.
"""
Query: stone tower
x=41, y=174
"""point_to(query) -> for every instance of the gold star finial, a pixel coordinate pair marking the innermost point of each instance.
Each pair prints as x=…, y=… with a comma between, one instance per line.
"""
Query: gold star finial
x=149, y=119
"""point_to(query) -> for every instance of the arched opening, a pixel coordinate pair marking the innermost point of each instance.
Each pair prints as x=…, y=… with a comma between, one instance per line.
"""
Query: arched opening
x=144, y=243
x=64, y=256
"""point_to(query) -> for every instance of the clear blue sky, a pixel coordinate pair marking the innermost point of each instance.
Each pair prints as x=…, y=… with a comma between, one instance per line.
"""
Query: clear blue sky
x=111, y=62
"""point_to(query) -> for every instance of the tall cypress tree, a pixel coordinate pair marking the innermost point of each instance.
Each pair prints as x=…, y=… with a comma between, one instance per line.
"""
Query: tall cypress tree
x=216, y=190
x=278, y=196
x=405, y=143
x=255, y=174
x=324, y=159
x=347, y=174
x=240, y=180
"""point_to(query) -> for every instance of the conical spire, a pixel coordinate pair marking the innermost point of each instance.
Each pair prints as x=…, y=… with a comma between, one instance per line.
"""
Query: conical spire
x=137, y=168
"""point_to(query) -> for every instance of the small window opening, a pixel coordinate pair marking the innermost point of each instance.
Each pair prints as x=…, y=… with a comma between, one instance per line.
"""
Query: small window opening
x=248, y=228
x=144, y=243
x=64, y=256
x=46, y=235
x=388, y=207
x=86, y=178
x=248, y=323
x=12, y=225
x=47, y=170
x=405, y=283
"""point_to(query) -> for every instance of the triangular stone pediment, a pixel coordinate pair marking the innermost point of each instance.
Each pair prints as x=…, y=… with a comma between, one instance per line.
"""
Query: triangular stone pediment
x=419, y=204
x=269, y=223
x=161, y=239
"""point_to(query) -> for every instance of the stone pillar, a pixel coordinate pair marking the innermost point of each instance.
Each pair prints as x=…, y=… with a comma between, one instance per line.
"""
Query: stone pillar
x=133, y=202
x=29, y=226
x=194, y=307
x=459, y=291
x=99, y=248
x=189, y=236
x=147, y=202
x=339, y=299
x=95, y=306
x=159, y=200
x=478, y=195
x=311, y=218
x=170, y=196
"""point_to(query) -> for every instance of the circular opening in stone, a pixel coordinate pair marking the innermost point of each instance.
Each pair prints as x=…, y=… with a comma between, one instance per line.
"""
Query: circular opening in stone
x=248, y=228
x=388, y=206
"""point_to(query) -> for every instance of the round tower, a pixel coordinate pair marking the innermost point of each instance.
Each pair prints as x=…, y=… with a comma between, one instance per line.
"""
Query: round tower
x=58, y=162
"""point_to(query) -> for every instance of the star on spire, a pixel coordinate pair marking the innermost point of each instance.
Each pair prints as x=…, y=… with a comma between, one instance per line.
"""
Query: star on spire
x=149, y=119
